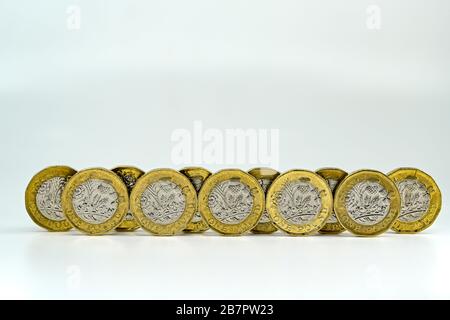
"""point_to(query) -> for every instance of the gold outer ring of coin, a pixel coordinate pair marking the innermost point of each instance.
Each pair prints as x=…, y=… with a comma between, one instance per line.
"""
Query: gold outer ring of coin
x=435, y=200
x=188, y=191
x=194, y=172
x=269, y=174
x=340, y=203
x=337, y=175
x=31, y=193
x=258, y=202
x=135, y=173
x=100, y=174
x=318, y=221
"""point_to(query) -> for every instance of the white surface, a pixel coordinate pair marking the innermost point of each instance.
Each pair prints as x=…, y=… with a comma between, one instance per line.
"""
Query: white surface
x=48, y=265
x=114, y=91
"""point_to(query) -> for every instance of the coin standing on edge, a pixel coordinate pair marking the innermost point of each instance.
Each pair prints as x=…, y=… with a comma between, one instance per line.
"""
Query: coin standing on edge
x=265, y=177
x=367, y=203
x=163, y=201
x=43, y=198
x=299, y=202
x=95, y=201
x=333, y=176
x=421, y=200
x=231, y=201
x=129, y=176
x=197, y=176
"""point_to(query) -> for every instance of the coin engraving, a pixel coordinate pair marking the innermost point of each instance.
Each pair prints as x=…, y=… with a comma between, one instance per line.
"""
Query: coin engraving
x=367, y=202
x=163, y=202
x=415, y=200
x=95, y=201
x=197, y=182
x=130, y=182
x=332, y=183
x=230, y=201
x=48, y=198
x=299, y=202
x=265, y=183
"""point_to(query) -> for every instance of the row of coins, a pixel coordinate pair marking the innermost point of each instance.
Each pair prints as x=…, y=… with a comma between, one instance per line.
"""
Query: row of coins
x=232, y=202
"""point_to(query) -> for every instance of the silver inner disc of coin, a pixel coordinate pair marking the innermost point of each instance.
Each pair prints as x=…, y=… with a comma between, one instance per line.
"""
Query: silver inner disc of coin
x=95, y=201
x=299, y=202
x=230, y=201
x=48, y=198
x=332, y=183
x=197, y=182
x=163, y=202
x=415, y=200
x=368, y=202
x=265, y=183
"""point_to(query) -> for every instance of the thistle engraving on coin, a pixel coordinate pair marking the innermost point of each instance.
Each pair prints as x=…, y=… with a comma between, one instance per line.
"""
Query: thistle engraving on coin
x=367, y=202
x=332, y=183
x=265, y=183
x=299, y=202
x=48, y=198
x=163, y=202
x=415, y=200
x=197, y=182
x=230, y=201
x=95, y=201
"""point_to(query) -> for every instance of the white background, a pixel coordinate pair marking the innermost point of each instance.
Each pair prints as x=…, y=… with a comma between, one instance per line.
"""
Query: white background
x=113, y=92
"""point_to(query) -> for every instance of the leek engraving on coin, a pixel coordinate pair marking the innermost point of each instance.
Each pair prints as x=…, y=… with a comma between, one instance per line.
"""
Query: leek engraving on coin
x=415, y=200
x=368, y=203
x=197, y=182
x=95, y=201
x=265, y=183
x=230, y=201
x=48, y=198
x=332, y=183
x=163, y=202
x=299, y=202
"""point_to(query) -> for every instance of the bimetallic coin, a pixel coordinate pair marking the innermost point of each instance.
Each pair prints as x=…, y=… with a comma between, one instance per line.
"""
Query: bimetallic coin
x=367, y=203
x=43, y=198
x=299, y=202
x=163, y=201
x=333, y=176
x=265, y=177
x=421, y=200
x=197, y=176
x=95, y=201
x=231, y=201
x=129, y=176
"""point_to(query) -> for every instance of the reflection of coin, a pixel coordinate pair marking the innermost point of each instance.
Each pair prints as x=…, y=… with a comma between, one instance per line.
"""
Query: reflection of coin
x=95, y=201
x=231, y=201
x=43, y=198
x=299, y=202
x=129, y=176
x=367, y=203
x=163, y=201
x=333, y=176
x=421, y=200
x=197, y=177
x=265, y=176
